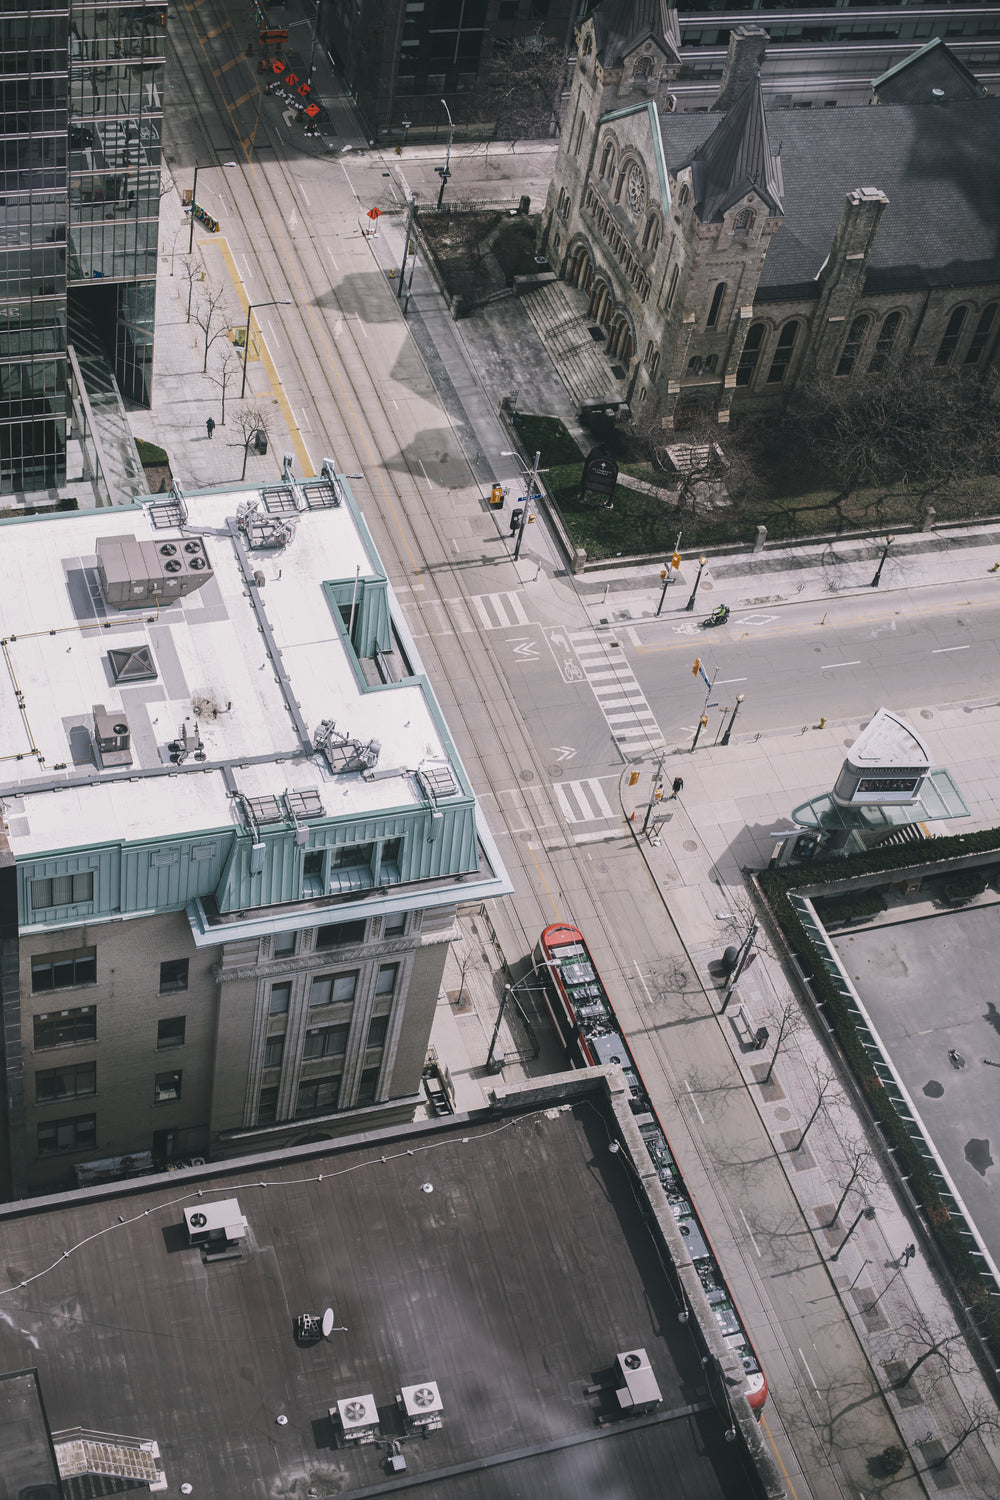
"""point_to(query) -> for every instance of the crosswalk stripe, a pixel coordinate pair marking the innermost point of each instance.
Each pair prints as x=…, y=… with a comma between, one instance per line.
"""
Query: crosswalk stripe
x=582, y=801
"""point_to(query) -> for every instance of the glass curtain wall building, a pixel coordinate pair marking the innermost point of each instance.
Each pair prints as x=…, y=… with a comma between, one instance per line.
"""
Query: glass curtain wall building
x=81, y=98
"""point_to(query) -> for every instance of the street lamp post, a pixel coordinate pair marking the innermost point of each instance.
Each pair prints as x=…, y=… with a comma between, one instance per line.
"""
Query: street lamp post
x=283, y=302
x=406, y=129
x=694, y=592
x=881, y=562
x=533, y=482
x=445, y=171
x=194, y=197
x=866, y=1213
x=495, y=1064
x=732, y=721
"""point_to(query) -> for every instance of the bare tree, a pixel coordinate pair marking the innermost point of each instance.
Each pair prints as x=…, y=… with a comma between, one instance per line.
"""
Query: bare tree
x=192, y=271
x=227, y=369
x=861, y=1167
x=251, y=419
x=936, y=1339
x=213, y=317
x=790, y=1020
x=522, y=86
x=980, y=1416
x=914, y=428
x=824, y=1083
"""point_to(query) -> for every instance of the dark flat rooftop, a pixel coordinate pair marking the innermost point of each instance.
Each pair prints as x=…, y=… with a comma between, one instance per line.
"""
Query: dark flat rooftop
x=930, y=987
x=512, y=1284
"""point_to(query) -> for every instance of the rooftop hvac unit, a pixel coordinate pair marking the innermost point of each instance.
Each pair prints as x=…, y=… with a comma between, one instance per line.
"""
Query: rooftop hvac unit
x=358, y=1417
x=637, y=1388
x=219, y=1223
x=422, y=1404
x=136, y=574
x=112, y=737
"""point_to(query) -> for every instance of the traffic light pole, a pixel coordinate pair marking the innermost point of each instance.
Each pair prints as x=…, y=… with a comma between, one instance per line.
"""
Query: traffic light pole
x=653, y=798
x=406, y=245
x=666, y=572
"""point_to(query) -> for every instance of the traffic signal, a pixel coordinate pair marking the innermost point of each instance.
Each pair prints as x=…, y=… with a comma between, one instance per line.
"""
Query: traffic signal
x=675, y=561
x=633, y=778
x=663, y=574
x=696, y=668
x=658, y=794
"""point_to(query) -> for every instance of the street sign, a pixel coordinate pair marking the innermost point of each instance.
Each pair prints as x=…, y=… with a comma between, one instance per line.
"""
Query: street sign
x=374, y=213
x=600, y=471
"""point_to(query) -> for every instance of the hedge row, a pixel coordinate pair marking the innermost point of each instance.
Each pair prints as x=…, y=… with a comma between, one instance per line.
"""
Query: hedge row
x=776, y=885
x=850, y=906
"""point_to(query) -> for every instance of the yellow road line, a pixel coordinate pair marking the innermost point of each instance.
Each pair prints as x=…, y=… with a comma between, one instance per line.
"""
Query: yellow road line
x=321, y=335
x=551, y=898
x=305, y=463
x=791, y=1487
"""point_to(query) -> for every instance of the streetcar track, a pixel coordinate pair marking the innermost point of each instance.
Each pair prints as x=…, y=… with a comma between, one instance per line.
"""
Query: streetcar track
x=342, y=377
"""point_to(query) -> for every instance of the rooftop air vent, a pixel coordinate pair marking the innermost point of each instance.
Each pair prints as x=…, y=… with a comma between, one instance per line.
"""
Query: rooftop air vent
x=132, y=664
x=136, y=574
x=112, y=737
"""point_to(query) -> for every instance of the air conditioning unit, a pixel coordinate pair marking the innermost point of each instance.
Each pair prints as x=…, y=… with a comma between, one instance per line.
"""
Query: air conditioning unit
x=358, y=1417
x=637, y=1388
x=136, y=574
x=112, y=737
x=422, y=1405
x=215, y=1224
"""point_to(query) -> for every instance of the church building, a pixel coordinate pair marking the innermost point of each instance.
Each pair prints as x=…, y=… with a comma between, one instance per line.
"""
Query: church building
x=731, y=254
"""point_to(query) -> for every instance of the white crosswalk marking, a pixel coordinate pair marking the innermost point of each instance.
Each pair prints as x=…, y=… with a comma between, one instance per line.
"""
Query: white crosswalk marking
x=582, y=801
x=497, y=611
x=462, y=616
x=619, y=696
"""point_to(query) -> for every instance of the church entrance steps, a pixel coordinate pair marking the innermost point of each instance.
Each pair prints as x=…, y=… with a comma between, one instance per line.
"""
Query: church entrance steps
x=559, y=313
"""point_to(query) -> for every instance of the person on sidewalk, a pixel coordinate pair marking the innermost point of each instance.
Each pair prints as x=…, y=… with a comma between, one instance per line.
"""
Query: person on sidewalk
x=677, y=786
x=908, y=1254
x=210, y=426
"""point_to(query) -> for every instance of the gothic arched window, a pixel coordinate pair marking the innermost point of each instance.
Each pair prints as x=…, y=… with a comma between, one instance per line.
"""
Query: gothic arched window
x=683, y=196
x=642, y=69
x=608, y=160
x=694, y=365
x=883, y=344
x=717, y=299
x=782, y=353
x=856, y=335
x=751, y=354
x=946, y=348
x=744, y=220
x=979, y=339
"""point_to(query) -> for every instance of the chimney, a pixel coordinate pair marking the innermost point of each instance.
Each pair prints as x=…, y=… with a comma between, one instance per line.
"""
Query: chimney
x=747, y=47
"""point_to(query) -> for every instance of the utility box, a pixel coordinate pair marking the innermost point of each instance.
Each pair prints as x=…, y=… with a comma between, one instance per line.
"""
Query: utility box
x=260, y=440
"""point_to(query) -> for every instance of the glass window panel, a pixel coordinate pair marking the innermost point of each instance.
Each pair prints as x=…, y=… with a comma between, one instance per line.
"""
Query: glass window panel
x=280, y=997
x=170, y=1032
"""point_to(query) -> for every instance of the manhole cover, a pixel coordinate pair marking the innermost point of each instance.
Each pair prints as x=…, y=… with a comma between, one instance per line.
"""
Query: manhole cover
x=555, y=771
x=527, y=775
x=925, y=713
x=689, y=845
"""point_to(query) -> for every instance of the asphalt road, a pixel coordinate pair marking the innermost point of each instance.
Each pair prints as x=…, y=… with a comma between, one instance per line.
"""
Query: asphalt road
x=535, y=697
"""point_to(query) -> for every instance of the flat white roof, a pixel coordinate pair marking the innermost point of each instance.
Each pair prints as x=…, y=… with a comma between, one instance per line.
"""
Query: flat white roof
x=215, y=674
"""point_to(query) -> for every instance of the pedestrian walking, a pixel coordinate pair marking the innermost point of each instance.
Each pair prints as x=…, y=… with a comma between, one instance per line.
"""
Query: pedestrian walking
x=678, y=786
x=908, y=1254
x=210, y=426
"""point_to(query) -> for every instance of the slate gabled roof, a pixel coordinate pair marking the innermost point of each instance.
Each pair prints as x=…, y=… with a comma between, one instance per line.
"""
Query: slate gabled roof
x=936, y=165
x=736, y=158
x=933, y=74
x=622, y=25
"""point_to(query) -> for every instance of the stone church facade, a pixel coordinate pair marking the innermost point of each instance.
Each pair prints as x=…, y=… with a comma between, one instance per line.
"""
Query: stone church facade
x=731, y=254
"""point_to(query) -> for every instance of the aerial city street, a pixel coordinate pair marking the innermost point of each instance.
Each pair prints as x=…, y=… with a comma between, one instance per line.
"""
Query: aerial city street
x=524, y=748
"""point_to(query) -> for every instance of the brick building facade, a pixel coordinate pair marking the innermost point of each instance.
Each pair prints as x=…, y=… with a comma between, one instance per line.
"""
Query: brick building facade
x=732, y=254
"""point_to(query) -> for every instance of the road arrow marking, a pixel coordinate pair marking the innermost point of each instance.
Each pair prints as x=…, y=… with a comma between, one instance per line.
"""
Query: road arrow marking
x=563, y=752
x=525, y=648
